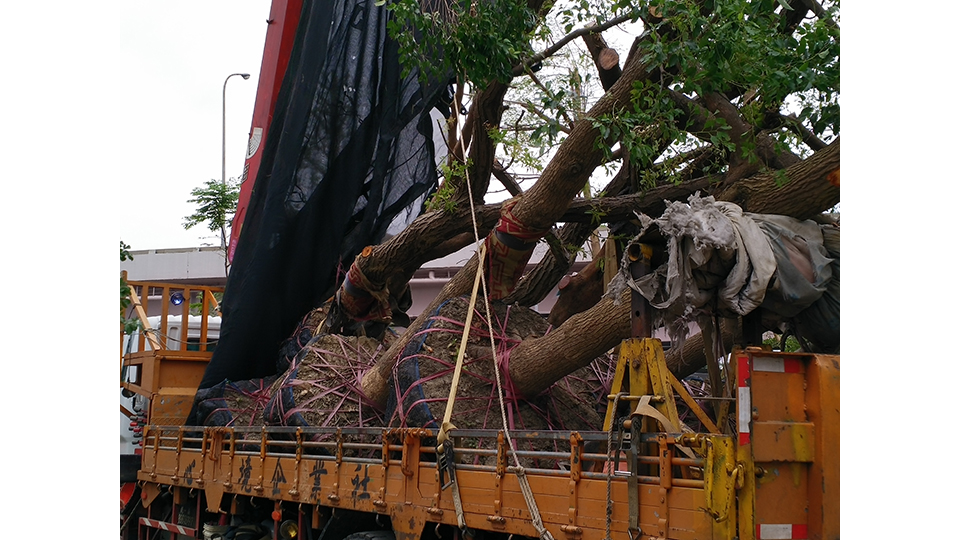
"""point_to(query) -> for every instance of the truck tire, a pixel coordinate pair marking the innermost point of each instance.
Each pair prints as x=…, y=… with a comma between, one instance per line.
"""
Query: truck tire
x=371, y=535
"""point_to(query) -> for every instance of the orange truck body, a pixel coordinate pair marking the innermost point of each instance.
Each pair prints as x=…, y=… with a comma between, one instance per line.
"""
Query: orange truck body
x=775, y=474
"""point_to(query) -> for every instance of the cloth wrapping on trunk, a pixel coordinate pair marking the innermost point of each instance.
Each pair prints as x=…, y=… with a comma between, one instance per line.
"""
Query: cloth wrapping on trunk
x=819, y=324
x=509, y=247
x=722, y=261
x=803, y=266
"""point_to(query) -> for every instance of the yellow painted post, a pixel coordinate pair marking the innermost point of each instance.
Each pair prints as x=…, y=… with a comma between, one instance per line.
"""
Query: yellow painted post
x=720, y=475
x=657, y=367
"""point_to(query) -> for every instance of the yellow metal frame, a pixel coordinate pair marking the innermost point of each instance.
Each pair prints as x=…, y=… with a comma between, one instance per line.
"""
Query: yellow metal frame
x=642, y=370
x=168, y=376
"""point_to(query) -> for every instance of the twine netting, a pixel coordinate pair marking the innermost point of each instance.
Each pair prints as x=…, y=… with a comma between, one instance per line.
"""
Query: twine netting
x=422, y=376
x=306, y=330
x=322, y=386
x=234, y=404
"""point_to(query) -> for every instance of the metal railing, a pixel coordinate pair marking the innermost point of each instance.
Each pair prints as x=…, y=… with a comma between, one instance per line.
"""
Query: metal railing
x=476, y=450
x=186, y=300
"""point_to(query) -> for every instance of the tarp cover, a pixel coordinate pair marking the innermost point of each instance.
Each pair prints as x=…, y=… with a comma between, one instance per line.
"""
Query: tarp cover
x=349, y=150
x=722, y=261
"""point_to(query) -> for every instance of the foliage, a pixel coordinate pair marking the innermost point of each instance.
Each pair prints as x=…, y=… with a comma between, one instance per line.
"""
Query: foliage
x=128, y=325
x=777, y=343
x=216, y=202
x=125, y=252
x=738, y=48
x=479, y=41
x=453, y=173
x=543, y=105
x=741, y=45
x=735, y=48
x=767, y=65
x=196, y=308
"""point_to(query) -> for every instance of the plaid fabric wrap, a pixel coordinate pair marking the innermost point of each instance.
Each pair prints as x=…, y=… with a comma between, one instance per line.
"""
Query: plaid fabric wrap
x=509, y=248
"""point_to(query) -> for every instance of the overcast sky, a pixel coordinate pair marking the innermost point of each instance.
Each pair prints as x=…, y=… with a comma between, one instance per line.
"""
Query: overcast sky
x=178, y=56
x=125, y=99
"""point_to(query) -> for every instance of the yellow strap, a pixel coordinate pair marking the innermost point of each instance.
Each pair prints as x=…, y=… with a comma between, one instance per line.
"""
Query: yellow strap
x=446, y=425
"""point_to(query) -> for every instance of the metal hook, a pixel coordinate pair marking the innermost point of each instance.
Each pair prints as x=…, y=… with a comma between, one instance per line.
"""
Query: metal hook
x=377, y=521
x=436, y=531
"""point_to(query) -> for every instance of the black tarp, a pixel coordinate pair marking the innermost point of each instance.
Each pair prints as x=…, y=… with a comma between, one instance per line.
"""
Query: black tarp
x=348, y=150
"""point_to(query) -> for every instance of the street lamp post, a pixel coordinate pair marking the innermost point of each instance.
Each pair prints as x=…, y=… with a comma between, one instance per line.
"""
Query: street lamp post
x=223, y=171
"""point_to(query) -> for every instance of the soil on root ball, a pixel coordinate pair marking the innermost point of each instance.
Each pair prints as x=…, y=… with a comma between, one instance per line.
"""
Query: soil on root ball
x=322, y=386
x=423, y=376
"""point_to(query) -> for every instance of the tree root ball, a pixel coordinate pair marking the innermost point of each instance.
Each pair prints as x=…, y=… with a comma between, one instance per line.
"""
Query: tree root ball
x=322, y=386
x=422, y=378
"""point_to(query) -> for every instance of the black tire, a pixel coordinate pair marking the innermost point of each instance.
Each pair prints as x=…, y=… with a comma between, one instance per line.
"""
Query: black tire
x=371, y=535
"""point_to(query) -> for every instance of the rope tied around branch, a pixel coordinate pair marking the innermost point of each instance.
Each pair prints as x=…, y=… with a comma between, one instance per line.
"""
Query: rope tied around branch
x=361, y=299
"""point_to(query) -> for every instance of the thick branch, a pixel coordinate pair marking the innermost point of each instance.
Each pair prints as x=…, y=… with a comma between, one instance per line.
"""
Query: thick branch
x=535, y=362
x=581, y=338
x=538, y=209
x=791, y=18
x=488, y=108
x=822, y=14
x=688, y=358
x=601, y=58
x=801, y=190
x=650, y=202
x=765, y=152
x=796, y=126
x=742, y=133
x=505, y=178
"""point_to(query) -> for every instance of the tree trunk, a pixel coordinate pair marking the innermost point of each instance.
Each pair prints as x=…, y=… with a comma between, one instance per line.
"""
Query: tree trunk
x=686, y=359
x=807, y=192
x=535, y=364
x=801, y=191
x=608, y=65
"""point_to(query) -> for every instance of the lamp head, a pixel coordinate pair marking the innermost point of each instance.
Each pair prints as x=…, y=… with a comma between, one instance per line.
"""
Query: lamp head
x=245, y=76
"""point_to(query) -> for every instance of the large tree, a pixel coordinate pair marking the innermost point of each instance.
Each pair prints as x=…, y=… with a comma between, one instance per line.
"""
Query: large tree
x=738, y=99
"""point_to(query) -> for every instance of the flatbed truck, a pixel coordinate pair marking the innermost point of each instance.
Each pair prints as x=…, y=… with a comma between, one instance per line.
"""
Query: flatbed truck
x=772, y=474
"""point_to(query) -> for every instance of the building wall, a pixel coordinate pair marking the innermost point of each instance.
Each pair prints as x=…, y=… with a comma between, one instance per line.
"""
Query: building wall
x=201, y=265
x=204, y=266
